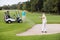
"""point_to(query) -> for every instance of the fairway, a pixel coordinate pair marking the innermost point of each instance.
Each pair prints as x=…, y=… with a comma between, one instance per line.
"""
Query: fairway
x=9, y=31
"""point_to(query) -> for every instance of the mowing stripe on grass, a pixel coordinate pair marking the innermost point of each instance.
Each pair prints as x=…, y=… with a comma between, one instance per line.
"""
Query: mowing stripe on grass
x=30, y=21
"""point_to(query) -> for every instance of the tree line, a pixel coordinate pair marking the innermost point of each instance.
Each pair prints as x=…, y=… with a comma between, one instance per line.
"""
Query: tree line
x=51, y=6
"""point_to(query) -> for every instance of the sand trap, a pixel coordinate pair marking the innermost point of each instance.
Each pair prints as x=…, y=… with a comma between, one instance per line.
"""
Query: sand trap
x=36, y=30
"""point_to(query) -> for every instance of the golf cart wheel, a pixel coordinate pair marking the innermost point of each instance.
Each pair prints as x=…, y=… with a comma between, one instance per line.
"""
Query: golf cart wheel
x=21, y=21
x=18, y=21
x=6, y=21
x=9, y=21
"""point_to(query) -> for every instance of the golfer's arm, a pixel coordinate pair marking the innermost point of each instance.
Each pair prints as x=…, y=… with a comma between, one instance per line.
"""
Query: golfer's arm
x=42, y=17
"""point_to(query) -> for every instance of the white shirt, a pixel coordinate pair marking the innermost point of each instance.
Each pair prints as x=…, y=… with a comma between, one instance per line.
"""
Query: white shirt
x=44, y=18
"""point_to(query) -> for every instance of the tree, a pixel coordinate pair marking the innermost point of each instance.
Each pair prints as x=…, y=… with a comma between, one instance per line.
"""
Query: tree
x=24, y=6
x=50, y=6
x=14, y=6
x=28, y=6
x=0, y=8
x=5, y=7
x=58, y=5
x=36, y=5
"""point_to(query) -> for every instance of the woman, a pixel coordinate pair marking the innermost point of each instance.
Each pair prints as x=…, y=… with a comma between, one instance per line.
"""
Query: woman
x=44, y=21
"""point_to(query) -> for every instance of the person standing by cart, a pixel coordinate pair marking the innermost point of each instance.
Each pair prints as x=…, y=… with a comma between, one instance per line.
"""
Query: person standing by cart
x=24, y=16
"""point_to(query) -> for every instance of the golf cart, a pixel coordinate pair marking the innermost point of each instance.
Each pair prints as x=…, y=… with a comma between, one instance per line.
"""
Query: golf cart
x=9, y=19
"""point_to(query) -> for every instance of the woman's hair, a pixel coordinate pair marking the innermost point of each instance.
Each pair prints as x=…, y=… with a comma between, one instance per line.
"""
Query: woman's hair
x=43, y=14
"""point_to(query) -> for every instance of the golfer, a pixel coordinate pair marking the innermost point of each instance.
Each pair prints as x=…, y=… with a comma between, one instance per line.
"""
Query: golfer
x=24, y=16
x=44, y=21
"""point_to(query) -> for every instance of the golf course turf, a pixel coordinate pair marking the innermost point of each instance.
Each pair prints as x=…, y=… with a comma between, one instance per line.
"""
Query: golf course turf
x=9, y=31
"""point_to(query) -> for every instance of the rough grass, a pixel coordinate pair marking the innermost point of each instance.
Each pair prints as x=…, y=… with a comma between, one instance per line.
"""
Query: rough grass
x=9, y=31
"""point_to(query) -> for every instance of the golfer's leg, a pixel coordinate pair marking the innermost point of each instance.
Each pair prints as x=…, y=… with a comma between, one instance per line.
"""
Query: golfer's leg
x=42, y=27
x=45, y=29
x=24, y=18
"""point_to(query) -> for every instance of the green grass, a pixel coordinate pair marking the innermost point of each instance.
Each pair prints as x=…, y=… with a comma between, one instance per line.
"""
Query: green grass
x=9, y=31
